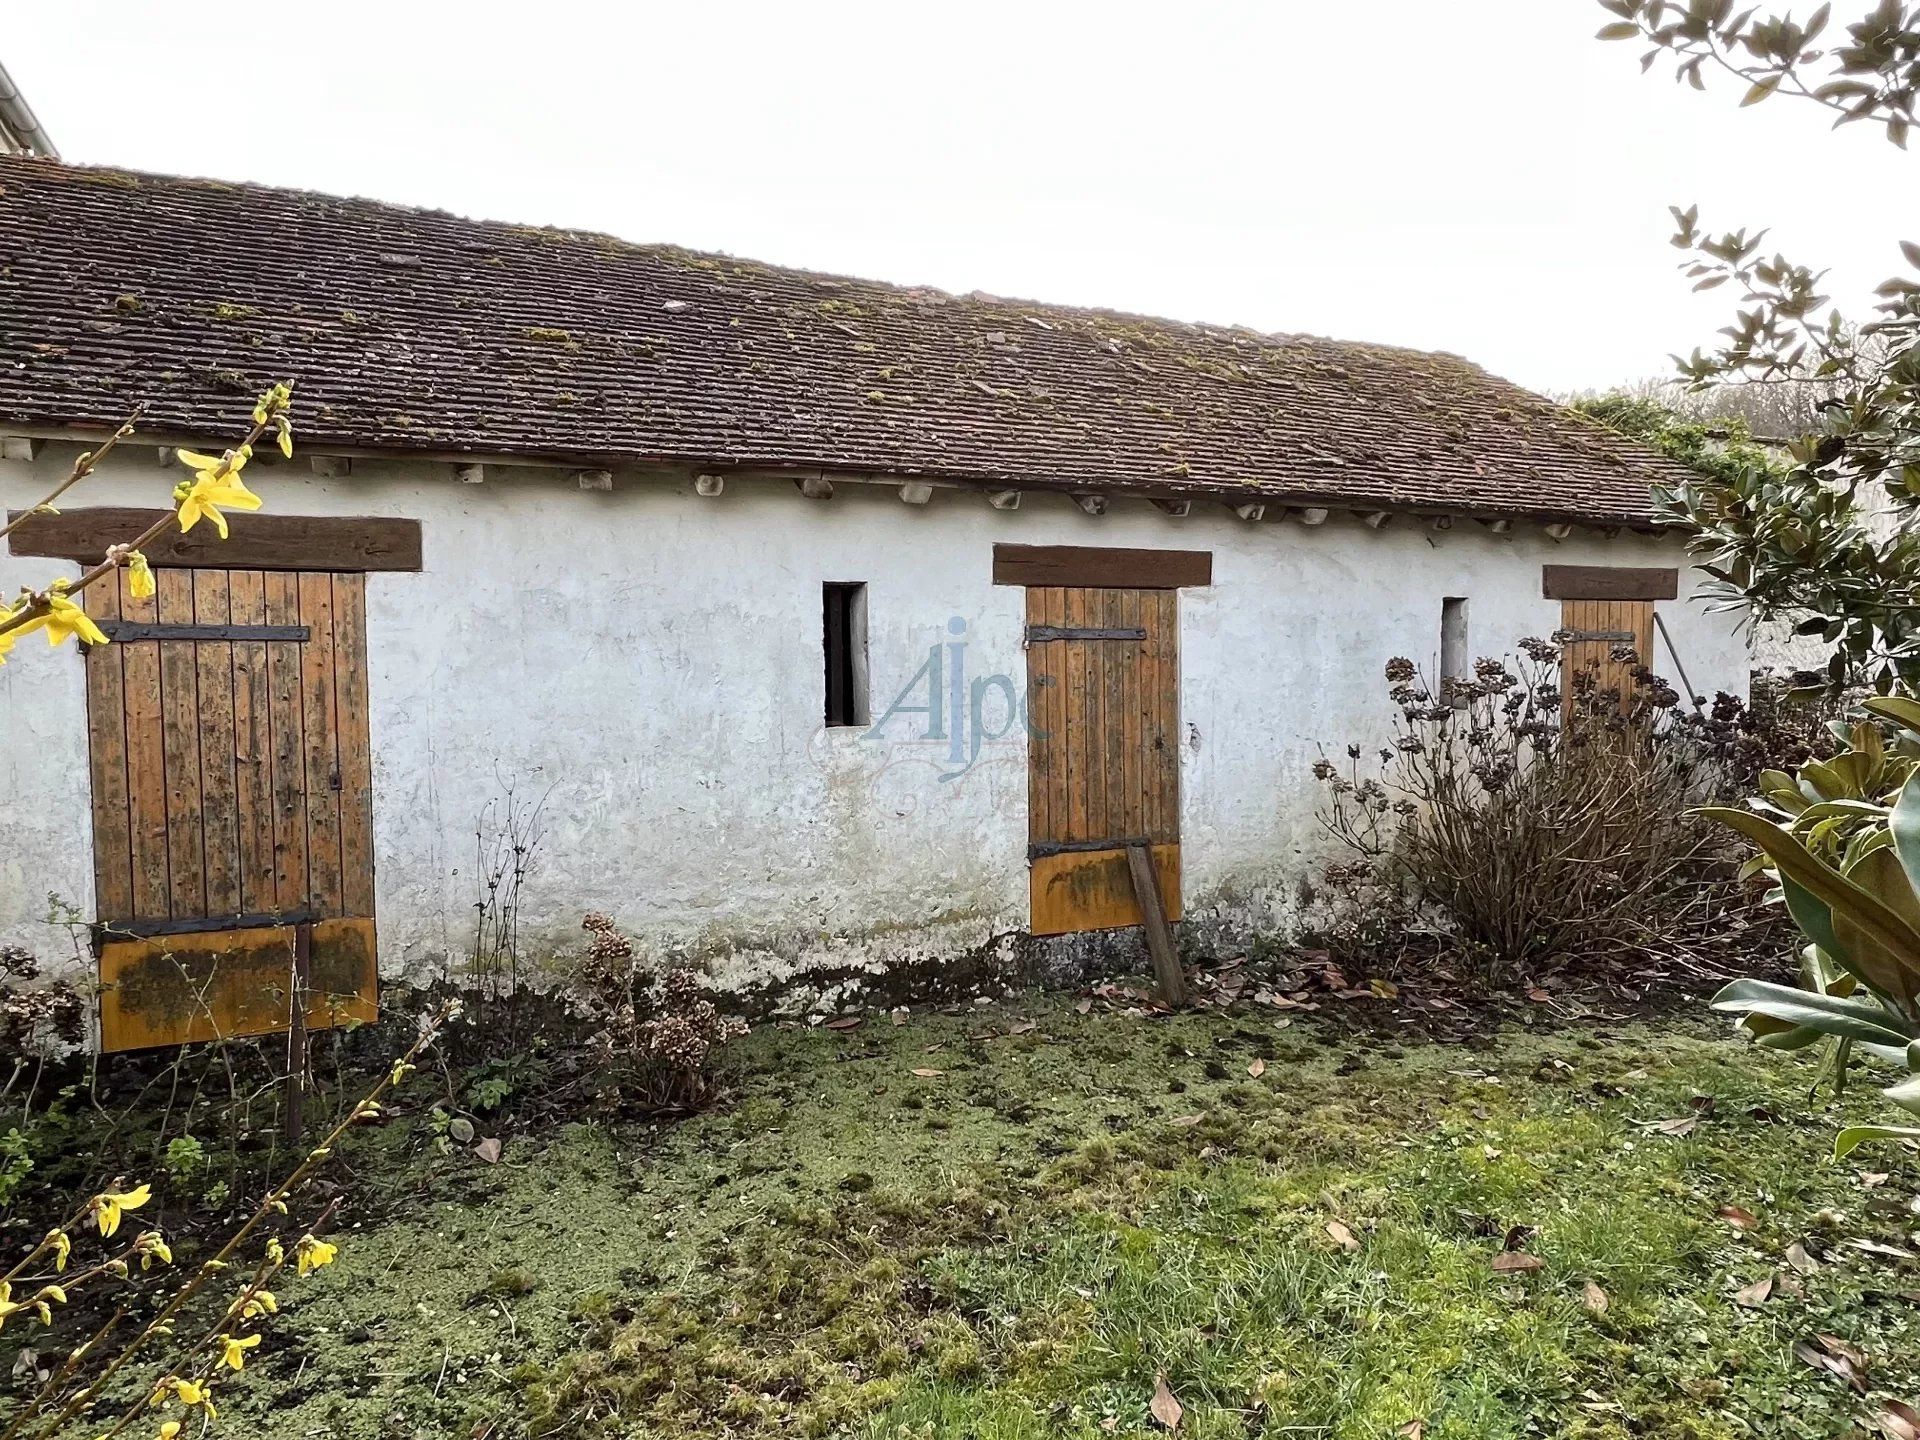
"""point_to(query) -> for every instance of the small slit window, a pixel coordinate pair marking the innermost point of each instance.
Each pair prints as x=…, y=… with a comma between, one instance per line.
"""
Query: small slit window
x=844, y=621
x=1453, y=638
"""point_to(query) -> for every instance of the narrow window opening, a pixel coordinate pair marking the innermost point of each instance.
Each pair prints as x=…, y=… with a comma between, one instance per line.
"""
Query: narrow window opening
x=1453, y=638
x=844, y=616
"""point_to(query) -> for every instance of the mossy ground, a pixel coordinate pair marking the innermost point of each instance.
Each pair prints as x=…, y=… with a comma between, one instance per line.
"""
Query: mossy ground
x=1018, y=1243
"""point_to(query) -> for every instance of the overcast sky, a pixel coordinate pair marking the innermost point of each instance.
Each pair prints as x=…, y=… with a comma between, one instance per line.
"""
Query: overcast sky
x=1485, y=178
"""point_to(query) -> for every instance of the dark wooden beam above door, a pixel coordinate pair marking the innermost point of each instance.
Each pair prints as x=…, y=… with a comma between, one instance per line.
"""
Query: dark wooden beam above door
x=334, y=543
x=1101, y=567
x=1609, y=582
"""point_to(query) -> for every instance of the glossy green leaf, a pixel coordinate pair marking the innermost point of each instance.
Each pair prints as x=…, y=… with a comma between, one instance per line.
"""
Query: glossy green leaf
x=1854, y=1136
x=1858, y=1019
x=1854, y=907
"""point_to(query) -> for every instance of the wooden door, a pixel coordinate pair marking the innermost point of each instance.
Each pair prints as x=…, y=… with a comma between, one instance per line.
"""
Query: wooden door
x=232, y=804
x=1103, y=678
x=1594, y=634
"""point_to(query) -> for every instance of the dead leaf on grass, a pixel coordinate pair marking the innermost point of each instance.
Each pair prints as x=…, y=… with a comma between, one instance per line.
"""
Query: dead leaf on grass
x=1257, y=1069
x=1083, y=1007
x=1164, y=1407
x=1595, y=1298
x=900, y=1016
x=1752, y=1297
x=1679, y=1126
x=1342, y=1236
x=1517, y=1262
x=1875, y=1247
x=1384, y=989
x=1799, y=1259
x=488, y=1150
x=1024, y=1027
x=1898, y=1420
x=1738, y=1217
x=926, y=1073
x=1836, y=1357
x=845, y=1022
x=1187, y=1120
x=1412, y=1430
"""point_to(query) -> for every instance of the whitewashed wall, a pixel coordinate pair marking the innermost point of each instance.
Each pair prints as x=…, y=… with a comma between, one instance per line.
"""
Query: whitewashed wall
x=652, y=661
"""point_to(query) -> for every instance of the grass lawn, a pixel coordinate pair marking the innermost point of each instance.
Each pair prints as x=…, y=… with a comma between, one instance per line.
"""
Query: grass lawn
x=1011, y=1222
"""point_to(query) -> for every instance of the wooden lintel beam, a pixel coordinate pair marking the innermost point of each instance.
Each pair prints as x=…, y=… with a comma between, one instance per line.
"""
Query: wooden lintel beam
x=1101, y=567
x=267, y=541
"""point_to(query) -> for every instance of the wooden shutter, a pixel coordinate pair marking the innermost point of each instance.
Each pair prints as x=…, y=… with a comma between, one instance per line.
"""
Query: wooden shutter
x=1593, y=631
x=232, y=803
x=1103, y=676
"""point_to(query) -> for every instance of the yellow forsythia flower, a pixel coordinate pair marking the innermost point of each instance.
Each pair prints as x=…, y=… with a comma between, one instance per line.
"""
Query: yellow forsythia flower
x=188, y=1393
x=275, y=1252
x=310, y=1254
x=233, y=1353
x=139, y=575
x=215, y=483
x=62, y=1248
x=108, y=1205
x=169, y=1429
x=153, y=1246
x=262, y=1303
x=64, y=618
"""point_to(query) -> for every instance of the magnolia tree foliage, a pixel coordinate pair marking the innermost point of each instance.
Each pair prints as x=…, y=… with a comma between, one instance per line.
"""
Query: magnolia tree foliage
x=1794, y=542
x=1841, y=838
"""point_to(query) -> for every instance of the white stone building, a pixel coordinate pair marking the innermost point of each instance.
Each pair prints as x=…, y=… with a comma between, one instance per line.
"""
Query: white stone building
x=749, y=575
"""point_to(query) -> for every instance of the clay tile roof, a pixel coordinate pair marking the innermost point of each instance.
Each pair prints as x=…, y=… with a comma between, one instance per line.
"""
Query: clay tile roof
x=414, y=330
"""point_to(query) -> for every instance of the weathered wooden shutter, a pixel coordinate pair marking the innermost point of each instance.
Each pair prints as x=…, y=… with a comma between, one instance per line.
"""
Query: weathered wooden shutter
x=1103, y=675
x=232, y=803
x=1595, y=630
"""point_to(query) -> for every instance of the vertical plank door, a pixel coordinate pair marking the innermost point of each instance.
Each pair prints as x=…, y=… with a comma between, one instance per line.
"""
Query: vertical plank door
x=1593, y=630
x=232, y=801
x=1103, y=765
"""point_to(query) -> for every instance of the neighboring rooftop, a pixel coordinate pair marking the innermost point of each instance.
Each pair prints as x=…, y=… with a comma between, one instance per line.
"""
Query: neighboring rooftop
x=413, y=330
x=20, y=129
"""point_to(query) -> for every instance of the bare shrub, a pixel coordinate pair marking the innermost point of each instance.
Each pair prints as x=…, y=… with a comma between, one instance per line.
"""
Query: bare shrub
x=655, y=1032
x=1524, y=824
